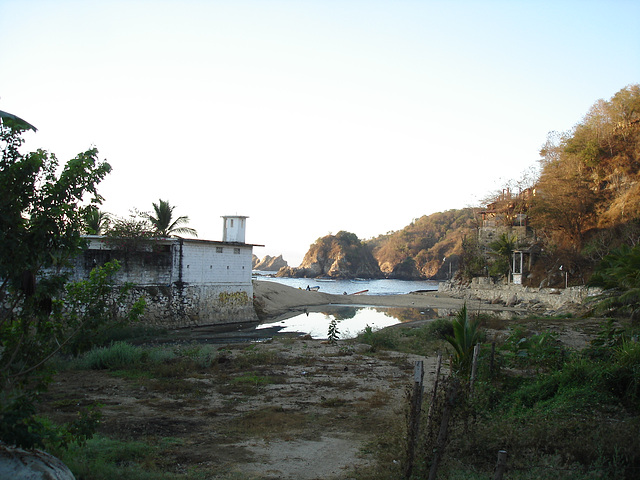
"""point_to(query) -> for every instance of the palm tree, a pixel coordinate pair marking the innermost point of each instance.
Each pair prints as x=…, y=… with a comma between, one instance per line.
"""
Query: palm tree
x=163, y=222
x=503, y=249
x=618, y=275
x=466, y=334
x=96, y=221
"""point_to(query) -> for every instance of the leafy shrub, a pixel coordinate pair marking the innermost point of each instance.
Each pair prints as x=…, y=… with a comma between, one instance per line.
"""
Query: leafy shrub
x=542, y=351
x=387, y=338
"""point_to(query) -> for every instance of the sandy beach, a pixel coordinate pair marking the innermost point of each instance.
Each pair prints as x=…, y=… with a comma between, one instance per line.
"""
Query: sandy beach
x=276, y=299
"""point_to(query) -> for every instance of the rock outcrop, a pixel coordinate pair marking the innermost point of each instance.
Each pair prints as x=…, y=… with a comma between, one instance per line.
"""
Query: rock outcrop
x=336, y=256
x=269, y=263
x=19, y=464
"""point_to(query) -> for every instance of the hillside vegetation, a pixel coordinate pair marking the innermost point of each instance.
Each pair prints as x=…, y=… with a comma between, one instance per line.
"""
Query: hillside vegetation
x=584, y=202
x=426, y=247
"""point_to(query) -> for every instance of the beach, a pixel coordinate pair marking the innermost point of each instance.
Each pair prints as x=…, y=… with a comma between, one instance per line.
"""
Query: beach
x=273, y=299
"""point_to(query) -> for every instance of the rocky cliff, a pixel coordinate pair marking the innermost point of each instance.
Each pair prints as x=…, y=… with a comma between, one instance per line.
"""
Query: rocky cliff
x=336, y=256
x=269, y=263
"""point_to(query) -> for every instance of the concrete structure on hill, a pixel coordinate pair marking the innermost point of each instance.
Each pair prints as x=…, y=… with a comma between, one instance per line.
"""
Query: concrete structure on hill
x=507, y=214
x=186, y=282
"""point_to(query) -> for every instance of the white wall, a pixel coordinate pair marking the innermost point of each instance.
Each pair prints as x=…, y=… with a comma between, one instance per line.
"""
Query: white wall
x=203, y=263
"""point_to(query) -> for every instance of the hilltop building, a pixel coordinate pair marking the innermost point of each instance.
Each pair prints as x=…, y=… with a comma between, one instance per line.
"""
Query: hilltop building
x=507, y=214
x=186, y=282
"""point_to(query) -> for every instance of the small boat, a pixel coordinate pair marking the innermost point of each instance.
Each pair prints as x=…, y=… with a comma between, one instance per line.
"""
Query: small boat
x=313, y=289
x=361, y=291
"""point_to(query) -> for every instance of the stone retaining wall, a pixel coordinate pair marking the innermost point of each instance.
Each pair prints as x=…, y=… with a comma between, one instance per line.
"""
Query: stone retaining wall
x=194, y=305
x=552, y=300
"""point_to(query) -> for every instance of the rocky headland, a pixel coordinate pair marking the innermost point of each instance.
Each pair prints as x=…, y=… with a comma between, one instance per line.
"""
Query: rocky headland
x=336, y=256
x=269, y=263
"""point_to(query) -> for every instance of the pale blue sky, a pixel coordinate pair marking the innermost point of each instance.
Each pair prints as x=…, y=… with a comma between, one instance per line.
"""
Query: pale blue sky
x=309, y=116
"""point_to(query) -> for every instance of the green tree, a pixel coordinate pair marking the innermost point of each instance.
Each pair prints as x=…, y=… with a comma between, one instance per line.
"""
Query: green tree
x=503, y=249
x=42, y=214
x=96, y=222
x=618, y=274
x=163, y=221
x=130, y=234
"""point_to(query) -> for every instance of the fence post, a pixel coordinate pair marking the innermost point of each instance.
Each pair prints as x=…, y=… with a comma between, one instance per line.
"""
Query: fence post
x=493, y=355
x=474, y=367
x=414, y=415
x=451, y=398
x=501, y=465
x=434, y=394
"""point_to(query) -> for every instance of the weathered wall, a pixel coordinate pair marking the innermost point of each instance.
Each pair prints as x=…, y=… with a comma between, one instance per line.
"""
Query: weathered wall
x=184, y=282
x=195, y=305
x=534, y=298
x=139, y=268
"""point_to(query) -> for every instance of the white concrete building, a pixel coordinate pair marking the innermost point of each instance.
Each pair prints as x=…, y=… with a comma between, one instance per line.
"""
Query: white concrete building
x=186, y=282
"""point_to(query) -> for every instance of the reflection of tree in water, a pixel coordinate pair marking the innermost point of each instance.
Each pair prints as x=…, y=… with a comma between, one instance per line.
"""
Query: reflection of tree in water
x=341, y=313
x=409, y=314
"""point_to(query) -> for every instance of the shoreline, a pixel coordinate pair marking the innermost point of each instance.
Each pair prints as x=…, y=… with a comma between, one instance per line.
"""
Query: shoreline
x=274, y=299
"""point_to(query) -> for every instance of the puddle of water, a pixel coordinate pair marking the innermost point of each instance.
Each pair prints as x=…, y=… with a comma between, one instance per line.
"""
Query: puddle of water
x=350, y=320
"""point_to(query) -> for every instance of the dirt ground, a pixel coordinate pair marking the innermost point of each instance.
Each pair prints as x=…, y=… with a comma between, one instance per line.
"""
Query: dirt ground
x=288, y=408
x=304, y=410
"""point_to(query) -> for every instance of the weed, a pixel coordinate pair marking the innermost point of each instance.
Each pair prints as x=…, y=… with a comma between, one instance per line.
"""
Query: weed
x=334, y=402
x=379, y=339
x=333, y=335
x=104, y=459
x=117, y=356
x=269, y=422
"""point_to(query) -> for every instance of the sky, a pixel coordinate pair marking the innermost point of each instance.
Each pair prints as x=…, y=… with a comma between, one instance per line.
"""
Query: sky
x=309, y=116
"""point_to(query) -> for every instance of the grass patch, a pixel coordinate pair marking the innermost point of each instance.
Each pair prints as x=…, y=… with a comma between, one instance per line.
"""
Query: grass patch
x=103, y=458
x=269, y=422
x=335, y=402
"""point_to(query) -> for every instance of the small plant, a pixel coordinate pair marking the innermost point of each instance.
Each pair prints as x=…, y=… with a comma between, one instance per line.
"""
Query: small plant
x=466, y=334
x=379, y=339
x=334, y=334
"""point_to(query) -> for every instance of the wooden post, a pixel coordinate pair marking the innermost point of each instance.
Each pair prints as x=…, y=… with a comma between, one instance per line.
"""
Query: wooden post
x=434, y=394
x=493, y=355
x=474, y=367
x=452, y=395
x=414, y=415
x=501, y=465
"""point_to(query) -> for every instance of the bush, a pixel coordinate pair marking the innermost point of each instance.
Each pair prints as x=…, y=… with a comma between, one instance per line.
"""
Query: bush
x=105, y=459
x=387, y=338
x=120, y=355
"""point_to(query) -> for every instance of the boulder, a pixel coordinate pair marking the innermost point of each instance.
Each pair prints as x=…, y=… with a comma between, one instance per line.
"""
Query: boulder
x=19, y=464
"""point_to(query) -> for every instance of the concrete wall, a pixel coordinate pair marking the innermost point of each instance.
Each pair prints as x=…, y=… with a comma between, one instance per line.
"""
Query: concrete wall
x=184, y=282
x=548, y=299
x=195, y=305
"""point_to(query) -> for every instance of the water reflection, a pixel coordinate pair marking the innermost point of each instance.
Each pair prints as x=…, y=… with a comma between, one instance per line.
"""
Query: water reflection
x=351, y=320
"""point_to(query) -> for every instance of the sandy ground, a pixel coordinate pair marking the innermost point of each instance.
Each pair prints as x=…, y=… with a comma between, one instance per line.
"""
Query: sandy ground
x=275, y=299
x=291, y=408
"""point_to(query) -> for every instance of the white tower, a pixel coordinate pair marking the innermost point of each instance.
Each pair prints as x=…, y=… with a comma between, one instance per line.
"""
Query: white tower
x=234, y=228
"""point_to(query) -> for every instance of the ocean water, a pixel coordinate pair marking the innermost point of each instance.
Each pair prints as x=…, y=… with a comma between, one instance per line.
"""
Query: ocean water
x=339, y=287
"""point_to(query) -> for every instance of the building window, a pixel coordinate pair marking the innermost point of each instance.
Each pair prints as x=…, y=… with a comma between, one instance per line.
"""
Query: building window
x=236, y=250
x=231, y=222
x=218, y=249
